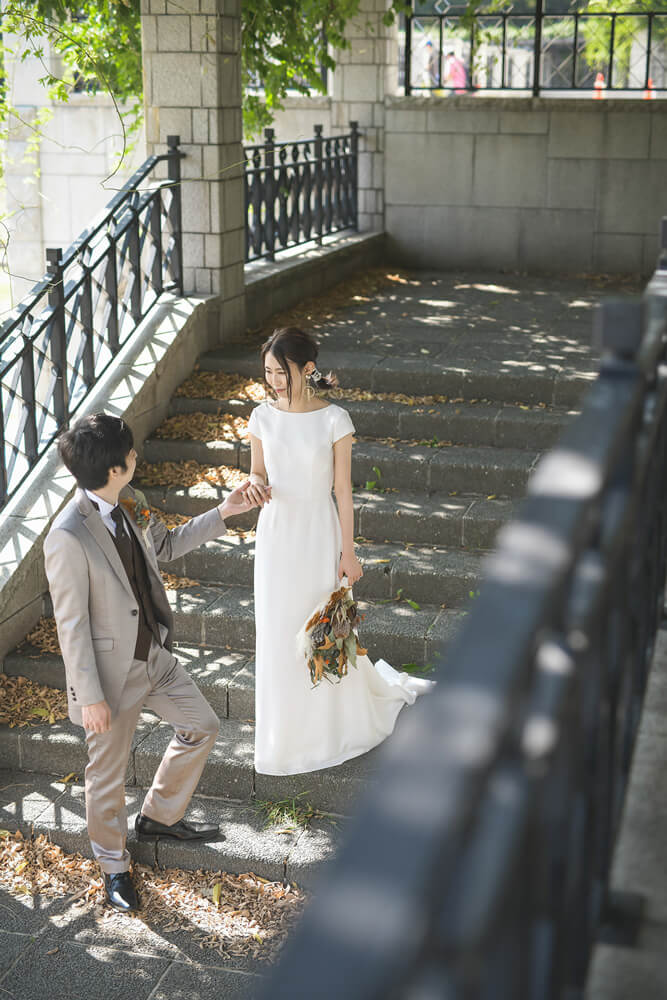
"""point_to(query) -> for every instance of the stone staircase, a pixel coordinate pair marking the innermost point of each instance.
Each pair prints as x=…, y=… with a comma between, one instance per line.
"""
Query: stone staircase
x=446, y=475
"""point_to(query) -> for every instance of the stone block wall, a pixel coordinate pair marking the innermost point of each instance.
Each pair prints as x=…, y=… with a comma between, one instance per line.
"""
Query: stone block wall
x=534, y=184
x=365, y=74
x=192, y=88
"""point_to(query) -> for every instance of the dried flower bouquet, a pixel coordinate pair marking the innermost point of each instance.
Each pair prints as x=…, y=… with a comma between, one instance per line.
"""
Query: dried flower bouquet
x=328, y=640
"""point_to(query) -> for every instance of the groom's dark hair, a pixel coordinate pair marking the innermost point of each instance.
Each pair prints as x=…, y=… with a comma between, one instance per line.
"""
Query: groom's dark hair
x=93, y=446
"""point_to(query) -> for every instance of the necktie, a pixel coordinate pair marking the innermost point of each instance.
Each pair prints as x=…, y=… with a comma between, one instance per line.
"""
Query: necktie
x=122, y=537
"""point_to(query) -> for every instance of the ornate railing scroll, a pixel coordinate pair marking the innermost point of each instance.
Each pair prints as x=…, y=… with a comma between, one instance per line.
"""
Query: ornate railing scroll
x=299, y=191
x=57, y=343
x=478, y=864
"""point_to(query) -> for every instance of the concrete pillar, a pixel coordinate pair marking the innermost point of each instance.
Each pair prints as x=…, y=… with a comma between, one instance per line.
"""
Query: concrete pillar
x=365, y=74
x=192, y=86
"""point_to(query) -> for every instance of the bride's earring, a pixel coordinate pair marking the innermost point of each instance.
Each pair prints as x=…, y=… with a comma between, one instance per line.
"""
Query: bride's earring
x=308, y=390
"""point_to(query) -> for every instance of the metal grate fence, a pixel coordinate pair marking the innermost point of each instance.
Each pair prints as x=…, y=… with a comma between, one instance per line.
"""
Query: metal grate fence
x=445, y=50
x=299, y=191
x=58, y=342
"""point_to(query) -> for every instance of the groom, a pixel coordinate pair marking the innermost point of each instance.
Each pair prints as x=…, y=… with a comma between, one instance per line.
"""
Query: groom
x=115, y=629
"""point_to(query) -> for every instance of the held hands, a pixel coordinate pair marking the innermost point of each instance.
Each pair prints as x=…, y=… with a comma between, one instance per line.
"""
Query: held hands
x=350, y=567
x=96, y=718
x=240, y=500
x=258, y=492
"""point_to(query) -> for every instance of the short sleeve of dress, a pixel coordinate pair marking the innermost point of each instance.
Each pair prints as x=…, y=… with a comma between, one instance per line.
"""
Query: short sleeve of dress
x=254, y=423
x=342, y=423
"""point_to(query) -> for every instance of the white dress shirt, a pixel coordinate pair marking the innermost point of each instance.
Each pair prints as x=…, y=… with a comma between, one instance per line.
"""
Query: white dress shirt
x=105, y=509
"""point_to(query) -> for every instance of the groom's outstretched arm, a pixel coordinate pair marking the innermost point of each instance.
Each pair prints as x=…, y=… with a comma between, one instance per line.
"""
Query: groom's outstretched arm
x=171, y=543
x=67, y=573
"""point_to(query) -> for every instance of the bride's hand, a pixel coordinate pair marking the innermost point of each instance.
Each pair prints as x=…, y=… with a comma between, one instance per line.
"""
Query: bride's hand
x=238, y=502
x=350, y=567
x=256, y=493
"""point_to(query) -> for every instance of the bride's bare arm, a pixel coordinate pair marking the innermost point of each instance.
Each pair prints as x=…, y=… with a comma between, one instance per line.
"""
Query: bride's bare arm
x=258, y=491
x=349, y=564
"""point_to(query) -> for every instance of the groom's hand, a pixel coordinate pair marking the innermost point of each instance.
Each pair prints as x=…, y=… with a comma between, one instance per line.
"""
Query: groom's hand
x=96, y=718
x=238, y=501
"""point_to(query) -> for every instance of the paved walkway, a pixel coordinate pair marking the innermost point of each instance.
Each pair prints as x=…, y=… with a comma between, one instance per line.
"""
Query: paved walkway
x=54, y=950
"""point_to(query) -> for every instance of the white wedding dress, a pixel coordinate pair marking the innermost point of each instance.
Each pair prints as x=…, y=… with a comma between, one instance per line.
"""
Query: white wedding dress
x=300, y=727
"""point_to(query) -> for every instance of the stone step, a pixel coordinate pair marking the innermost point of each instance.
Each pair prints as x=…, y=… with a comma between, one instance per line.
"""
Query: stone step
x=407, y=516
x=458, y=469
x=44, y=805
x=513, y=380
x=461, y=423
x=229, y=773
x=431, y=575
x=394, y=631
x=225, y=677
x=215, y=634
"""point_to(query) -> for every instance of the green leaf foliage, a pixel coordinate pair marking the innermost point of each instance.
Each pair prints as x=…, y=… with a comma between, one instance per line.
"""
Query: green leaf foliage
x=284, y=45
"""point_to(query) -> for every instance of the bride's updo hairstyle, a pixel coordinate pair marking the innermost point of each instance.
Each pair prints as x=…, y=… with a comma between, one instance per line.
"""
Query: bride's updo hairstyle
x=289, y=343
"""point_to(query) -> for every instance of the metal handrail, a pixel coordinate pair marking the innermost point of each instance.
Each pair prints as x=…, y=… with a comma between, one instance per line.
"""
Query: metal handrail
x=477, y=866
x=63, y=336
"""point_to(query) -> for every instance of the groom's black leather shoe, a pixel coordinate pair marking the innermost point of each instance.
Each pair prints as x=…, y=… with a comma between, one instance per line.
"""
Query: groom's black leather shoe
x=120, y=892
x=150, y=829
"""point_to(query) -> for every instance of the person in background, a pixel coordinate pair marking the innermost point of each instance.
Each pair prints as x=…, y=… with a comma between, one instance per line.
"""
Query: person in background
x=456, y=74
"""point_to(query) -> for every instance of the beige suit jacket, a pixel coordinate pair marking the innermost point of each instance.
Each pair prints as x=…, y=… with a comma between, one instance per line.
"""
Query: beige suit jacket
x=93, y=602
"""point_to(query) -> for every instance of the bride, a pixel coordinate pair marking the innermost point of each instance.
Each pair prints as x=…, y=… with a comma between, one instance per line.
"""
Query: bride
x=301, y=447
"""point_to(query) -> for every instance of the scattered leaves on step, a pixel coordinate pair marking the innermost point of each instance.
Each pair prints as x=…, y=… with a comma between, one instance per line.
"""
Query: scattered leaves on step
x=25, y=703
x=313, y=312
x=169, y=519
x=246, y=916
x=172, y=582
x=204, y=427
x=43, y=637
x=186, y=474
x=222, y=385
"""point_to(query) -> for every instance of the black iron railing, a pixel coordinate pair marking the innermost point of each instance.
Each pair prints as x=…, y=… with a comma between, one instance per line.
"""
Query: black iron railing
x=582, y=50
x=62, y=337
x=478, y=864
x=299, y=191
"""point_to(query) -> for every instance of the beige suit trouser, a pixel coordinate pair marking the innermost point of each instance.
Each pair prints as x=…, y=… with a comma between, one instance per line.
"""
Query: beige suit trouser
x=162, y=685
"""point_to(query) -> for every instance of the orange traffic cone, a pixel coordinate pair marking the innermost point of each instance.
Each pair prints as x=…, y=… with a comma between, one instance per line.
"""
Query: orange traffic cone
x=599, y=87
x=649, y=93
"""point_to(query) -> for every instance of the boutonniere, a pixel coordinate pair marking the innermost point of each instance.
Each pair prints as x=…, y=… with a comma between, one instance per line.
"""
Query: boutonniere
x=138, y=509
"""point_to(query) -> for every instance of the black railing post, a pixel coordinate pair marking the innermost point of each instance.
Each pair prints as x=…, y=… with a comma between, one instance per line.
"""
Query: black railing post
x=537, y=58
x=88, y=355
x=269, y=192
x=28, y=397
x=134, y=258
x=111, y=289
x=354, y=147
x=319, y=180
x=175, y=209
x=58, y=341
x=407, y=55
x=649, y=33
x=611, y=51
x=156, y=236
